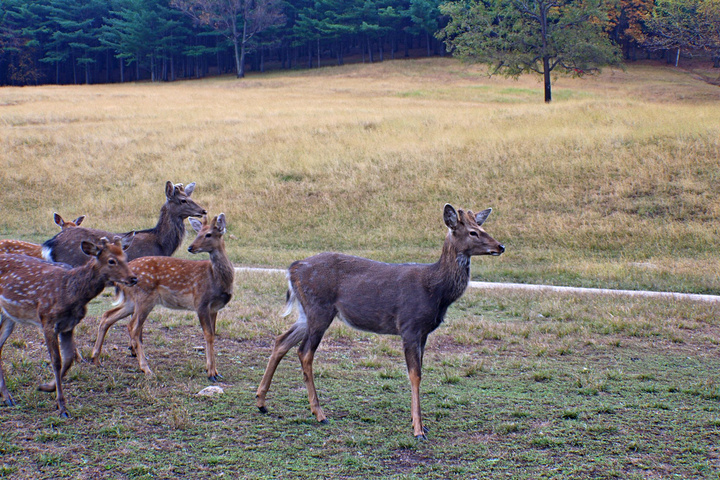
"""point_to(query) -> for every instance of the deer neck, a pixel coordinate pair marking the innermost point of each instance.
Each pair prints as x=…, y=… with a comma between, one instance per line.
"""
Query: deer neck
x=83, y=283
x=222, y=269
x=170, y=230
x=450, y=275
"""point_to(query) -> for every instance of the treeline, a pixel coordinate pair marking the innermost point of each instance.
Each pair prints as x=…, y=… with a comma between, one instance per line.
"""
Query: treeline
x=103, y=41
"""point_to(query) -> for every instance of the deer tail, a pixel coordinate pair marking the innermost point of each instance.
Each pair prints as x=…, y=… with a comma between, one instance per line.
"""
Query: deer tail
x=290, y=299
x=119, y=296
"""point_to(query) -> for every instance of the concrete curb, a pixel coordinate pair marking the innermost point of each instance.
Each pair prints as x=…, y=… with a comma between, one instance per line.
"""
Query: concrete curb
x=551, y=288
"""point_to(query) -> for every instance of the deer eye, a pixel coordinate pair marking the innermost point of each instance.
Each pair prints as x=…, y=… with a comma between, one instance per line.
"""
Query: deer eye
x=473, y=233
x=208, y=235
x=112, y=262
x=183, y=200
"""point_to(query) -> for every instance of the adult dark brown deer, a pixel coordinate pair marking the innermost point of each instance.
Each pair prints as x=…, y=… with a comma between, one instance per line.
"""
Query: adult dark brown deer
x=54, y=298
x=409, y=300
x=21, y=247
x=161, y=240
x=204, y=286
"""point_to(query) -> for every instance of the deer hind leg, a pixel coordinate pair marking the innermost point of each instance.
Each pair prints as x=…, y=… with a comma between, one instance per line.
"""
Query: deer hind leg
x=414, y=357
x=6, y=328
x=318, y=322
x=283, y=344
x=208, y=322
x=109, y=319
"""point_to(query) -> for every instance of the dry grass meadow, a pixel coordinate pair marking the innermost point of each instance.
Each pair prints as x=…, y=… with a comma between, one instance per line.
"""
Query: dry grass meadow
x=614, y=184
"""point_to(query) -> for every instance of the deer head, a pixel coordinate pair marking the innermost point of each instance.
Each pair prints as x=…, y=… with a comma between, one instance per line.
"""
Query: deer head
x=111, y=259
x=178, y=197
x=209, y=235
x=466, y=233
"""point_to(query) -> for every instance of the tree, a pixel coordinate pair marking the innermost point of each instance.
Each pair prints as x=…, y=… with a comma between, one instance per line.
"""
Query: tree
x=424, y=15
x=19, y=43
x=685, y=24
x=522, y=36
x=144, y=32
x=627, y=24
x=75, y=29
x=224, y=16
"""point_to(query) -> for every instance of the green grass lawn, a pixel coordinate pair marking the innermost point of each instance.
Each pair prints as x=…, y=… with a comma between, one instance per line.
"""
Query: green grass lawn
x=515, y=385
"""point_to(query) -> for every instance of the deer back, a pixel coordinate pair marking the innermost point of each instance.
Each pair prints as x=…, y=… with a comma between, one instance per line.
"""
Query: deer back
x=35, y=291
x=20, y=247
x=405, y=299
x=163, y=239
x=187, y=284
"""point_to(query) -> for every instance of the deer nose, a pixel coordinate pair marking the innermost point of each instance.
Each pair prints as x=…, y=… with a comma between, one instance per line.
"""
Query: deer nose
x=132, y=281
x=191, y=249
x=501, y=248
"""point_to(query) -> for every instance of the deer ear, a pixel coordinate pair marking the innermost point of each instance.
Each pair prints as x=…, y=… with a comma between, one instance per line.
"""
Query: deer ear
x=220, y=223
x=480, y=217
x=195, y=224
x=450, y=216
x=169, y=189
x=58, y=220
x=90, y=249
x=189, y=189
x=126, y=240
x=79, y=220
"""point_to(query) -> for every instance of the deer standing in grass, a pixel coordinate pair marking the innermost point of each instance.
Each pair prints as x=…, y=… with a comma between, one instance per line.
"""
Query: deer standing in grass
x=162, y=240
x=54, y=298
x=204, y=286
x=32, y=249
x=409, y=300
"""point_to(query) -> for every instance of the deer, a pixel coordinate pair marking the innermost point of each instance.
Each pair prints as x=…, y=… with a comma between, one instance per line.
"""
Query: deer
x=33, y=249
x=163, y=239
x=409, y=300
x=203, y=286
x=54, y=297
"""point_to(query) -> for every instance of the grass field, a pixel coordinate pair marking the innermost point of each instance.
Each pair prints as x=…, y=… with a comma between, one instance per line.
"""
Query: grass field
x=615, y=184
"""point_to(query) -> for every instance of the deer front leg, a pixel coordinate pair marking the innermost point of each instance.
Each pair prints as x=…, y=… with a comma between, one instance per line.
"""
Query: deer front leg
x=138, y=321
x=68, y=350
x=6, y=328
x=109, y=319
x=51, y=340
x=207, y=322
x=413, y=358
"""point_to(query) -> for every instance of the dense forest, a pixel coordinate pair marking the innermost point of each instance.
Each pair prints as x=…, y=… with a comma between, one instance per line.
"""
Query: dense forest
x=102, y=41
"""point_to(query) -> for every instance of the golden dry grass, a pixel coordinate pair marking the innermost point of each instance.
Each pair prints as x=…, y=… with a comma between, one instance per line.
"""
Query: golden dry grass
x=615, y=183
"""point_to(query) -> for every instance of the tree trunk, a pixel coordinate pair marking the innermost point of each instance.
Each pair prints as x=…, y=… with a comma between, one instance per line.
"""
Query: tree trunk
x=238, y=60
x=546, y=77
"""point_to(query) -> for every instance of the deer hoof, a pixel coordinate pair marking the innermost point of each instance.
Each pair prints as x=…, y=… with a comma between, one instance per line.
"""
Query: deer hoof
x=263, y=410
x=64, y=414
x=215, y=378
x=421, y=438
x=324, y=421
